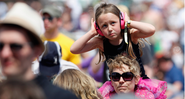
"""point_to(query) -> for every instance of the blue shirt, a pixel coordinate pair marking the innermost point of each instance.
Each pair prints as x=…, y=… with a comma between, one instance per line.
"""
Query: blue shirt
x=173, y=75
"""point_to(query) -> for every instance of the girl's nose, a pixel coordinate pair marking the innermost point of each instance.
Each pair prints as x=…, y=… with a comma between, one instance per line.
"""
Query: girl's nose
x=110, y=28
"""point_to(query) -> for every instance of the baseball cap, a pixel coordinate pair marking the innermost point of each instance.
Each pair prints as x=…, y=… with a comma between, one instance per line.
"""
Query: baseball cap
x=67, y=65
x=49, y=61
x=52, y=11
x=24, y=16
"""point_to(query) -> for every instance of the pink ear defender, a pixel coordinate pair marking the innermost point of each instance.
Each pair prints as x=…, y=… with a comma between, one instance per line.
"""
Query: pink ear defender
x=122, y=16
x=122, y=20
x=97, y=29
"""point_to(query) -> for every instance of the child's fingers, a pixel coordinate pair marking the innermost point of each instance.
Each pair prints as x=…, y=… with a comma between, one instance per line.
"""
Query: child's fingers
x=126, y=17
x=93, y=26
x=92, y=21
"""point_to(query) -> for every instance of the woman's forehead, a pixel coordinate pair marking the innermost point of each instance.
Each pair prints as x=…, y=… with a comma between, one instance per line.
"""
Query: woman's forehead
x=121, y=68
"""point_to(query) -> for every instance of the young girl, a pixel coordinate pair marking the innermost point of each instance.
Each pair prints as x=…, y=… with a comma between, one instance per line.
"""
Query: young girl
x=112, y=25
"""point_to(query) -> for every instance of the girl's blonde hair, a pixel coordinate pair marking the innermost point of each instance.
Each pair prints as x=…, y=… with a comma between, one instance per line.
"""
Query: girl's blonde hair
x=123, y=59
x=110, y=8
x=78, y=82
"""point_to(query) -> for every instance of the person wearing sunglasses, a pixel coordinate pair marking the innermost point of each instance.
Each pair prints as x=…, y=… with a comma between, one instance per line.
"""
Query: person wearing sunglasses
x=125, y=78
x=51, y=16
x=20, y=44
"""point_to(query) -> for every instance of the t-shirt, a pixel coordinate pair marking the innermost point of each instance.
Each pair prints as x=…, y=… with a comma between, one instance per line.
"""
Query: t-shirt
x=174, y=74
x=65, y=43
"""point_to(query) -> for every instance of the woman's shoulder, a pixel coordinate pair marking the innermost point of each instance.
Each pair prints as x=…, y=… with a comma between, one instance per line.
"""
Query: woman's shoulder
x=144, y=94
x=152, y=87
x=107, y=90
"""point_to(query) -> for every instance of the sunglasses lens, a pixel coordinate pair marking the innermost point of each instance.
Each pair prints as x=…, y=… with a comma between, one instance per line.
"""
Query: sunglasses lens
x=1, y=46
x=128, y=76
x=49, y=18
x=43, y=18
x=115, y=76
x=16, y=47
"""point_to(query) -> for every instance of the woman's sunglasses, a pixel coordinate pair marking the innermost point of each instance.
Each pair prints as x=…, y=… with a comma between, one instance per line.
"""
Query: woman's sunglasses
x=127, y=76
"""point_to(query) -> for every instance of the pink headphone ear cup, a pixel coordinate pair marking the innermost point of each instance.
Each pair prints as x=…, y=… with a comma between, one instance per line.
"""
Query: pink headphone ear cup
x=97, y=29
x=122, y=20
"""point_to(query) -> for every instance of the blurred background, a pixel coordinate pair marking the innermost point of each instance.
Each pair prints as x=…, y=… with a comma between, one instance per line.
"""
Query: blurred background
x=166, y=15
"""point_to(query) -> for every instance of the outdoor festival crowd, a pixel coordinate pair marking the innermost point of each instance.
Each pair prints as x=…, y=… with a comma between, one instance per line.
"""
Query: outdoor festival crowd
x=92, y=49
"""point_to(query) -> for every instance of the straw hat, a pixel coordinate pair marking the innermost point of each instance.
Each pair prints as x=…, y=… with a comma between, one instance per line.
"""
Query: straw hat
x=23, y=15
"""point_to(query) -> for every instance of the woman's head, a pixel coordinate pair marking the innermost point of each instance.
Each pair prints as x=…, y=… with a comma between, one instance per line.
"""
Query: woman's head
x=124, y=73
x=78, y=82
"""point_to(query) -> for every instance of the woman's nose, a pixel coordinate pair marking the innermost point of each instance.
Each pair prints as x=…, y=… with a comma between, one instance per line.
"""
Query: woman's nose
x=121, y=79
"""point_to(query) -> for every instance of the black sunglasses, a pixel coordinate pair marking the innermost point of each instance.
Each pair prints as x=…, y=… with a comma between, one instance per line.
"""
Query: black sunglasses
x=127, y=76
x=13, y=46
x=49, y=18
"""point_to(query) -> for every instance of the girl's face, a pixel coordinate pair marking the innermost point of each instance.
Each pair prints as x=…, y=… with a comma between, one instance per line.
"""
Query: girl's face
x=109, y=24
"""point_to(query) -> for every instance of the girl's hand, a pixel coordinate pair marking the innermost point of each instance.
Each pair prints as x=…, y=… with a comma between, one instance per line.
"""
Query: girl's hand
x=126, y=17
x=93, y=29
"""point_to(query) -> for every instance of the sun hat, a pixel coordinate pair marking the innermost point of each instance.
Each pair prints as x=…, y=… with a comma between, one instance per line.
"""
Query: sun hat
x=23, y=15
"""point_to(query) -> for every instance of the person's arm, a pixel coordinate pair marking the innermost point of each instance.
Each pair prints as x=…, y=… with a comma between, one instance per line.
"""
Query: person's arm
x=139, y=29
x=96, y=67
x=87, y=42
x=178, y=85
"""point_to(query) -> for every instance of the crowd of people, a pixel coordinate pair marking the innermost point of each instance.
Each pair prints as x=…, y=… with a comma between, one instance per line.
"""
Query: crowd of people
x=98, y=50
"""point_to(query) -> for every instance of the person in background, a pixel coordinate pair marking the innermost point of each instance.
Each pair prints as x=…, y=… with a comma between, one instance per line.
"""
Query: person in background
x=95, y=70
x=52, y=20
x=172, y=75
x=18, y=89
x=125, y=78
x=78, y=82
x=20, y=45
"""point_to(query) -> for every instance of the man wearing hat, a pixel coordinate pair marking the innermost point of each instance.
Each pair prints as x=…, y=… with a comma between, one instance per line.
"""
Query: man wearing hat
x=20, y=44
x=51, y=16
